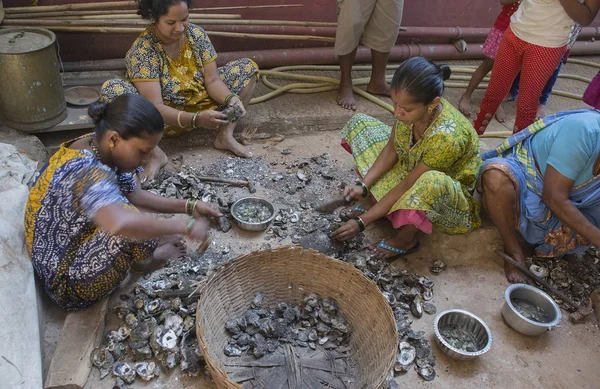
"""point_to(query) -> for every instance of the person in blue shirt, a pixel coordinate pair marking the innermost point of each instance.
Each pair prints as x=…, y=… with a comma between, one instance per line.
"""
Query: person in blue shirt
x=544, y=184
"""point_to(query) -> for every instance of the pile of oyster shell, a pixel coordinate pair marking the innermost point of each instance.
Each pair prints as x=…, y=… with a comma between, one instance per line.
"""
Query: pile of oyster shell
x=261, y=330
x=157, y=331
x=577, y=277
x=182, y=185
x=409, y=295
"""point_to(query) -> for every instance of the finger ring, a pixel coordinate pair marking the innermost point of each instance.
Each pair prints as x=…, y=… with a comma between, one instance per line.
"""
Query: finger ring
x=218, y=125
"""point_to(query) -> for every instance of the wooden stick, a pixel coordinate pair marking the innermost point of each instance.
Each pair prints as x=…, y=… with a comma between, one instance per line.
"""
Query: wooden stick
x=71, y=7
x=137, y=30
x=549, y=288
x=246, y=7
x=133, y=12
x=136, y=16
x=117, y=21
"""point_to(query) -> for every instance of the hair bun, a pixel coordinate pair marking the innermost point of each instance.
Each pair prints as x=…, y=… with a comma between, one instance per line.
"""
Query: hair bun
x=445, y=72
x=97, y=111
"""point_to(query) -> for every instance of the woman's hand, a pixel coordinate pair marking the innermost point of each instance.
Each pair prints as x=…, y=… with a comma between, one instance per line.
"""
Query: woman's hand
x=235, y=101
x=203, y=209
x=212, y=119
x=348, y=231
x=199, y=231
x=353, y=192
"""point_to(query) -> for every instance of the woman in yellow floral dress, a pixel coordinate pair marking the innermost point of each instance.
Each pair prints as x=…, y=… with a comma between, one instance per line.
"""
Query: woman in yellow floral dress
x=422, y=172
x=173, y=65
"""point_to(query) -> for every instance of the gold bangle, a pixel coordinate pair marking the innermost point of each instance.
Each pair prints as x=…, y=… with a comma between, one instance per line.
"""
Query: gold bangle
x=179, y=119
x=194, y=207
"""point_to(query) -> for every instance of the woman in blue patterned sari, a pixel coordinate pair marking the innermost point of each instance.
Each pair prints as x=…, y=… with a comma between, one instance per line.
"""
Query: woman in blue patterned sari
x=544, y=183
x=83, y=228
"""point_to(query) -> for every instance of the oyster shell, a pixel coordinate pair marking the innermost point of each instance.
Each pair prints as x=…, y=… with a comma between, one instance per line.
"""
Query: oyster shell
x=407, y=354
x=429, y=308
x=416, y=308
x=191, y=356
x=145, y=370
x=124, y=371
x=427, y=372
x=539, y=271
x=103, y=360
x=119, y=384
x=232, y=350
x=174, y=323
x=427, y=295
x=168, y=340
x=437, y=266
x=154, y=307
x=143, y=330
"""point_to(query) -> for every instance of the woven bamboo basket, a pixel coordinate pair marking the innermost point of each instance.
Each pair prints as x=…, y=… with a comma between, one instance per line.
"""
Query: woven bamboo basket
x=289, y=274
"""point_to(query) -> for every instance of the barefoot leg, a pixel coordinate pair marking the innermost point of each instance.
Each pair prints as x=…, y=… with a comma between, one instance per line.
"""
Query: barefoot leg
x=464, y=105
x=225, y=139
x=405, y=238
x=500, y=114
x=377, y=84
x=157, y=160
x=541, y=113
x=345, y=97
x=500, y=202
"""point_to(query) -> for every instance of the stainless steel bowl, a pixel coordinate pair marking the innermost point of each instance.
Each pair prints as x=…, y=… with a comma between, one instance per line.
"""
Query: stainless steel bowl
x=535, y=296
x=468, y=322
x=253, y=226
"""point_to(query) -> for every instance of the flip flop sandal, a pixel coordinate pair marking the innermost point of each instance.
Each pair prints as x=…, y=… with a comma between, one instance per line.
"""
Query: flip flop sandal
x=396, y=250
x=357, y=208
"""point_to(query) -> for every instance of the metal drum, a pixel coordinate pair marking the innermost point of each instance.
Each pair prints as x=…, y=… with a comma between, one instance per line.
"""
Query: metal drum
x=31, y=92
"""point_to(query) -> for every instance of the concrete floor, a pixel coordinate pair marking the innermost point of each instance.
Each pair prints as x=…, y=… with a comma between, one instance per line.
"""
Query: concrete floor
x=474, y=280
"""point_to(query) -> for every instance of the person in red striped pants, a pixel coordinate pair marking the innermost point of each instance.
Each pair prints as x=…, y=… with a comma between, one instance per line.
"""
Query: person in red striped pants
x=533, y=44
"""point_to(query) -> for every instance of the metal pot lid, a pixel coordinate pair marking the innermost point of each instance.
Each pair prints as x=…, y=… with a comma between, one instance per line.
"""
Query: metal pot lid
x=81, y=95
x=24, y=40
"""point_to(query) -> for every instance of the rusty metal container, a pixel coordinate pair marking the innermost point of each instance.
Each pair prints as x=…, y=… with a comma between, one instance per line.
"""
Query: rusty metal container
x=31, y=92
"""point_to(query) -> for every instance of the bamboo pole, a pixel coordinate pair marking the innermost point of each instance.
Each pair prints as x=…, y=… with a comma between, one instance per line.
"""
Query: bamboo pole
x=136, y=16
x=71, y=7
x=131, y=11
x=113, y=22
x=137, y=30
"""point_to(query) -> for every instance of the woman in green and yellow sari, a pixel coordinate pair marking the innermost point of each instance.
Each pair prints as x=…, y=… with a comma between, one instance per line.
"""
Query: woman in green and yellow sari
x=173, y=64
x=422, y=172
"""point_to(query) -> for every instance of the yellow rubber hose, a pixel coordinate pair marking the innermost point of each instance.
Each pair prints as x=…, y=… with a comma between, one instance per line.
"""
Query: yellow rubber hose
x=319, y=84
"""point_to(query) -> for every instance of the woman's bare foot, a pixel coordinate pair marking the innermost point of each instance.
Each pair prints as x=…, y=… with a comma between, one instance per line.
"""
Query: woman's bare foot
x=514, y=275
x=158, y=159
x=541, y=113
x=464, y=105
x=379, y=89
x=345, y=97
x=223, y=141
x=500, y=114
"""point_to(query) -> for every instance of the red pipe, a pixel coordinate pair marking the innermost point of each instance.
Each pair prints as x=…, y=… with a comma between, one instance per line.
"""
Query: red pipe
x=325, y=56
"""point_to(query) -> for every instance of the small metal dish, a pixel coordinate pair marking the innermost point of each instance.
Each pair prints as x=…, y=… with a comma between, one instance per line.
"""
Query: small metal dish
x=468, y=322
x=534, y=296
x=253, y=226
x=81, y=95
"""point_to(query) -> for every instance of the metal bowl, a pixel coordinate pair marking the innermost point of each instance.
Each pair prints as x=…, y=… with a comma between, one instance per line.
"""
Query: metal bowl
x=468, y=322
x=253, y=226
x=535, y=296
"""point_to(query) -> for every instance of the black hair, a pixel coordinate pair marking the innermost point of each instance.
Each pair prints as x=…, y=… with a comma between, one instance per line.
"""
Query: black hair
x=131, y=115
x=421, y=79
x=154, y=9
